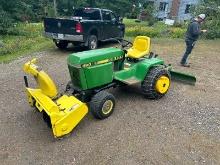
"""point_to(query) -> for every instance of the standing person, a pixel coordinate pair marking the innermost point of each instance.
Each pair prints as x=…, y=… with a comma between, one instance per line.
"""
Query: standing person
x=192, y=35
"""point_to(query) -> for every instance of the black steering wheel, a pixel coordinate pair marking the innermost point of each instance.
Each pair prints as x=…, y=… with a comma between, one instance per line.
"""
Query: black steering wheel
x=125, y=44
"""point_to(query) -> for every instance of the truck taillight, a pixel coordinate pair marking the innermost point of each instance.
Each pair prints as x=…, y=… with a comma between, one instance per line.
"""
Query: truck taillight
x=79, y=28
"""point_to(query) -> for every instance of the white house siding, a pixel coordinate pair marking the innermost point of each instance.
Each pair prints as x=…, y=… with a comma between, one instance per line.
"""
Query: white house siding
x=181, y=13
x=163, y=14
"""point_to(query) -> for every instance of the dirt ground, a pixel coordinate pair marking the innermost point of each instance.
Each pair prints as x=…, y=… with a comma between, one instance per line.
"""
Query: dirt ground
x=181, y=128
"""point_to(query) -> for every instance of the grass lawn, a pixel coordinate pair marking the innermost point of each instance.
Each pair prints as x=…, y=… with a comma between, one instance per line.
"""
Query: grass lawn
x=20, y=45
x=28, y=39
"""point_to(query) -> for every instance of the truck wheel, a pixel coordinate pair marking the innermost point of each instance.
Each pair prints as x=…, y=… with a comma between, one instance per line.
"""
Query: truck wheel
x=61, y=44
x=102, y=105
x=156, y=83
x=92, y=42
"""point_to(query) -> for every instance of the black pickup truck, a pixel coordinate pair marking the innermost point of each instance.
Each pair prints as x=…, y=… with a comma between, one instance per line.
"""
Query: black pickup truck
x=86, y=27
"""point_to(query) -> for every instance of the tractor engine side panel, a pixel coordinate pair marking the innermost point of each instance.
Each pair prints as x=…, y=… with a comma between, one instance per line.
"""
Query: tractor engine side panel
x=99, y=75
x=78, y=77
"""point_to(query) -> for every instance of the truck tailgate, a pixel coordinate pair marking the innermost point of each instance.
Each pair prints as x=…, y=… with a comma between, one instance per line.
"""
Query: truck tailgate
x=57, y=25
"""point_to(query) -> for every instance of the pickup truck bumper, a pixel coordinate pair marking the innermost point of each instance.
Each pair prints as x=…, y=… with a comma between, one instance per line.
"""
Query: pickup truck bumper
x=67, y=37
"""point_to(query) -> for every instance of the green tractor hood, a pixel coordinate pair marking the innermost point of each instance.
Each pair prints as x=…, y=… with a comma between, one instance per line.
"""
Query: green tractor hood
x=92, y=56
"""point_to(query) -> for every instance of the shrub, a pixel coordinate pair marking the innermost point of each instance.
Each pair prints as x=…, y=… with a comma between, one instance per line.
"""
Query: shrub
x=212, y=34
x=136, y=30
x=131, y=15
x=152, y=21
x=159, y=29
x=132, y=22
x=6, y=23
x=177, y=33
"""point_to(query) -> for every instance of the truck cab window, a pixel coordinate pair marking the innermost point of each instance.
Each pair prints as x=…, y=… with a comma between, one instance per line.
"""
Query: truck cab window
x=113, y=17
x=106, y=15
x=89, y=14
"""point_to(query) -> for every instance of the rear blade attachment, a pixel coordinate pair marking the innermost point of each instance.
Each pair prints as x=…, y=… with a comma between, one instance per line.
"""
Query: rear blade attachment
x=183, y=77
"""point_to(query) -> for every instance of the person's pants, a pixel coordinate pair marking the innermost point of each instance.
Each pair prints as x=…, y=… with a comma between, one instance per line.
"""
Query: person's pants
x=189, y=47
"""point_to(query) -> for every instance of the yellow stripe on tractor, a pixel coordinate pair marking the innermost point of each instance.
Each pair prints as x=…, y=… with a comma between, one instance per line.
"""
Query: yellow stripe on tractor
x=62, y=113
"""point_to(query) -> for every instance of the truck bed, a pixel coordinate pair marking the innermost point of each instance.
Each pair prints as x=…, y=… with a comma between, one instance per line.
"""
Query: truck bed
x=60, y=25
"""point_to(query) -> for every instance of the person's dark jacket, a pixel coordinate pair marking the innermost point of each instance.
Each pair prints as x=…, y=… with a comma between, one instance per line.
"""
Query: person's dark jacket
x=193, y=31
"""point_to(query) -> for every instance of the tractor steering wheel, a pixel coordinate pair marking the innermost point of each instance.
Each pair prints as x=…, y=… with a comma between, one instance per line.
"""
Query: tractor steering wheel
x=125, y=44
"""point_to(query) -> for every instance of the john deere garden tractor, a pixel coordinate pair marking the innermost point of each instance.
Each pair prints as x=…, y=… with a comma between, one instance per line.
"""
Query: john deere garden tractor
x=91, y=73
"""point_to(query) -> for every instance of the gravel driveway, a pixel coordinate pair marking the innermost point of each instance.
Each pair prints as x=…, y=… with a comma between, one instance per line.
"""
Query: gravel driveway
x=181, y=128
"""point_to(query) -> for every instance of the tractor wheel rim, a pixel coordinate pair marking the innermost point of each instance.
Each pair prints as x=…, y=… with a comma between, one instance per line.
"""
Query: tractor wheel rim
x=93, y=44
x=162, y=84
x=107, y=107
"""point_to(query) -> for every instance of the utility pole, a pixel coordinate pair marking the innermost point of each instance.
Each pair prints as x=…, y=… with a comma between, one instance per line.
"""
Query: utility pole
x=55, y=7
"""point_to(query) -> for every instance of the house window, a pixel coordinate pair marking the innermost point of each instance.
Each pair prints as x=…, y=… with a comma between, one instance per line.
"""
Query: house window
x=163, y=6
x=187, y=10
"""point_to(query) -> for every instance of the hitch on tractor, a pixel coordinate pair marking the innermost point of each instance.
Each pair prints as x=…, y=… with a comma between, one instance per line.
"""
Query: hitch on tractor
x=91, y=73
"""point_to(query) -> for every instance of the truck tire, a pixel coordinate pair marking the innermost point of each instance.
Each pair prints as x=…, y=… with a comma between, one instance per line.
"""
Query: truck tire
x=61, y=44
x=121, y=34
x=156, y=83
x=102, y=105
x=92, y=42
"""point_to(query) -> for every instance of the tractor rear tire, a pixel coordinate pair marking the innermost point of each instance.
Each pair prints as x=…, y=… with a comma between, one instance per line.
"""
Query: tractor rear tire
x=102, y=105
x=156, y=83
x=61, y=44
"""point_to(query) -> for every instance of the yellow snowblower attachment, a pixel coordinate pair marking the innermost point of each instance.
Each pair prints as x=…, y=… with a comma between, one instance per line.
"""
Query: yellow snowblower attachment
x=61, y=114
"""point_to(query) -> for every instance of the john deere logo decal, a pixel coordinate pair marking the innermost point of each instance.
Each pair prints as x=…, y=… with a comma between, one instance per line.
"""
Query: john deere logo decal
x=59, y=24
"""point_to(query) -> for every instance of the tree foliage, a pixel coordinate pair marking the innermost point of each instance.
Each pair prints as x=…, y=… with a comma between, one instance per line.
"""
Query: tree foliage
x=13, y=11
x=121, y=7
x=212, y=23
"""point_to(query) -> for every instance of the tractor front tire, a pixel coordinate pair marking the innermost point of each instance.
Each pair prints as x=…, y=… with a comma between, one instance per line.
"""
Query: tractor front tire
x=156, y=83
x=61, y=44
x=102, y=105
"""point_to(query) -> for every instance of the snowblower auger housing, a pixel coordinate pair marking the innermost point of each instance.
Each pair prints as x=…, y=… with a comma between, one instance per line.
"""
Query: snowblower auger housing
x=63, y=113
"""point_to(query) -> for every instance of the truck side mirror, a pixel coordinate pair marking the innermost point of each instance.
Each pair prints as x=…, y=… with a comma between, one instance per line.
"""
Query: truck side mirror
x=114, y=20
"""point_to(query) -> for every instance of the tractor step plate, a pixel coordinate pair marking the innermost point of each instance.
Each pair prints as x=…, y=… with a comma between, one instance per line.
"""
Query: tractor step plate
x=130, y=81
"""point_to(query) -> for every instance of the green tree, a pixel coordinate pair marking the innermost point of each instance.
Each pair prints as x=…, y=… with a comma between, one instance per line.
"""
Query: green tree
x=65, y=7
x=212, y=23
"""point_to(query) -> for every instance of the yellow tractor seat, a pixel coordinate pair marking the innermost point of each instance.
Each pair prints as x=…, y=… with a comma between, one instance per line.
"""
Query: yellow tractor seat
x=140, y=48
